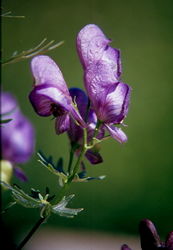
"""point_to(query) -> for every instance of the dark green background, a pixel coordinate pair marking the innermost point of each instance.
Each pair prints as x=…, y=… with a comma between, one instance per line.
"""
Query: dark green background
x=139, y=181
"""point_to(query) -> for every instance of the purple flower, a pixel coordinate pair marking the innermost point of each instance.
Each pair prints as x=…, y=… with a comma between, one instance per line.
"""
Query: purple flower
x=102, y=70
x=75, y=132
x=17, y=135
x=50, y=95
x=150, y=239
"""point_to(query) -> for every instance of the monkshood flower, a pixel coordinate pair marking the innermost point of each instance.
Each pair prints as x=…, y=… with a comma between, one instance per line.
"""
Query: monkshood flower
x=102, y=70
x=50, y=95
x=17, y=136
x=75, y=132
x=150, y=239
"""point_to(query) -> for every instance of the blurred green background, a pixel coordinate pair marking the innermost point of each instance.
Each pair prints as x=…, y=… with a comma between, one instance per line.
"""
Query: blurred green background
x=139, y=182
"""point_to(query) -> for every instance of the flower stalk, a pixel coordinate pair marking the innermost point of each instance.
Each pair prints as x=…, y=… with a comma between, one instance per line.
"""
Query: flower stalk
x=30, y=234
x=76, y=167
x=82, y=153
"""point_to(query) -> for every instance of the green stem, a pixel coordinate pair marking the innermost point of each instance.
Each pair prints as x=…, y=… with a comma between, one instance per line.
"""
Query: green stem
x=62, y=192
x=96, y=130
x=30, y=234
x=72, y=150
x=75, y=170
x=79, y=160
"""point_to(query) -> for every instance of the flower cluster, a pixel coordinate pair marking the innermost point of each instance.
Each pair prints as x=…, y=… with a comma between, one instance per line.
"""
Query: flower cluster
x=17, y=135
x=104, y=106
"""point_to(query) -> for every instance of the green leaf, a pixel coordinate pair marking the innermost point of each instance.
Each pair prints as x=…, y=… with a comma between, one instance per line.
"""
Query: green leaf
x=21, y=197
x=62, y=210
x=62, y=177
x=86, y=179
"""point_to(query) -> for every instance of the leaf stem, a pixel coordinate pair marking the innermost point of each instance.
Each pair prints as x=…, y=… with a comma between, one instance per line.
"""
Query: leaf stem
x=30, y=234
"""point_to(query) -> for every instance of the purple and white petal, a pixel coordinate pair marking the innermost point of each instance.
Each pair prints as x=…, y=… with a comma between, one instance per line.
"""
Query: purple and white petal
x=116, y=133
x=45, y=70
x=102, y=65
x=105, y=72
x=45, y=98
x=102, y=70
x=115, y=106
x=91, y=42
x=62, y=124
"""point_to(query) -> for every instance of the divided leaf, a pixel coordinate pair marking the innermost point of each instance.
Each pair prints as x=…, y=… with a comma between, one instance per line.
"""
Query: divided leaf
x=62, y=210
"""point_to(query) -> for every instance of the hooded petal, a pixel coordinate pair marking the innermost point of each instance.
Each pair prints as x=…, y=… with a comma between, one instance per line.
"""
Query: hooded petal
x=91, y=43
x=148, y=235
x=116, y=133
x=62, y=123
x=46, y=96
x=45, y=70
x=92, y=47
x=102, y=66
x=114, y=107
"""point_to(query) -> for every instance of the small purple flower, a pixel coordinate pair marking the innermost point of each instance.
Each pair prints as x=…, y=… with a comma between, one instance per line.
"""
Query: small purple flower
x=150, y=239
x=102, y=70
x=50, y=95
x=17, y=135
x=75, y=132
